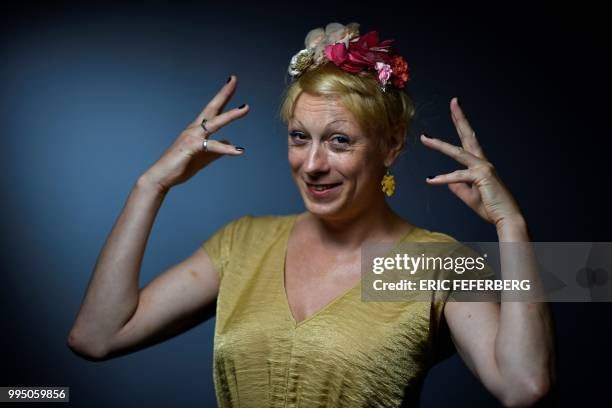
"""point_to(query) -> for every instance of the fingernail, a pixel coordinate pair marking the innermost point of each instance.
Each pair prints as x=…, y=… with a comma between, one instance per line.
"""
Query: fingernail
x=229, y=78
x=425, y=134
x=242, y=106
x=458, y=104
x=430, y=177
x=239, y=148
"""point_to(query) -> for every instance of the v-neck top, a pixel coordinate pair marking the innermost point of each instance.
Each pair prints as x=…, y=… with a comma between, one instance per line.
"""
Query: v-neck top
x=350, y=353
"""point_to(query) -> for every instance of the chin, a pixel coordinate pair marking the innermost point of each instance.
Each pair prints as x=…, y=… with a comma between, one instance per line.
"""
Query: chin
x=321, y=210
x=324, y=209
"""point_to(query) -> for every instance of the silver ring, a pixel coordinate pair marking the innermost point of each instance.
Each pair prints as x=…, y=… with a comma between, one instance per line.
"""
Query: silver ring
x=203, y=124
x=205, y=145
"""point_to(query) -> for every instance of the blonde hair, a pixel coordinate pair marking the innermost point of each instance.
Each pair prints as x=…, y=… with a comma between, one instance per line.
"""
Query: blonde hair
x=377, y=112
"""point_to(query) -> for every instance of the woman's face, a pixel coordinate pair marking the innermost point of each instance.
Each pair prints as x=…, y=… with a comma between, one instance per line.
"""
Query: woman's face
x=335, y=164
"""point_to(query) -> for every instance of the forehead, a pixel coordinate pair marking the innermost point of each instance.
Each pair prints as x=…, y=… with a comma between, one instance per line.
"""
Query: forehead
x=316, y=109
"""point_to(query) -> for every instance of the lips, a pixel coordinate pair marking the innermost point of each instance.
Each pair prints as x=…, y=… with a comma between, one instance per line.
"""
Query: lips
x=322, y=187
x=320, y=190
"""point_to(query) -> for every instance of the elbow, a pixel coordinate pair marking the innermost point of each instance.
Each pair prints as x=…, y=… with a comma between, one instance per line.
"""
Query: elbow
x=532, y=392
x=85, y=349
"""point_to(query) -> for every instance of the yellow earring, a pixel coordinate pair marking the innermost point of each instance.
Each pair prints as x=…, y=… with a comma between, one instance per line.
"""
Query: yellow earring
x=388, y=184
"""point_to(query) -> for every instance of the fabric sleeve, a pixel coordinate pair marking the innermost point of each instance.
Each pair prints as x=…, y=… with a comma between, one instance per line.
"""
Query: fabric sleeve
x=221, y=244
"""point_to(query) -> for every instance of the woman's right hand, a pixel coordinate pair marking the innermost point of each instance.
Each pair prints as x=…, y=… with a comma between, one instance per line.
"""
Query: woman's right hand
x=186, y=156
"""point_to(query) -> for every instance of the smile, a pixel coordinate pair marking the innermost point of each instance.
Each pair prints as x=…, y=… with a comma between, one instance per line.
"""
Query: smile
x=322, y=190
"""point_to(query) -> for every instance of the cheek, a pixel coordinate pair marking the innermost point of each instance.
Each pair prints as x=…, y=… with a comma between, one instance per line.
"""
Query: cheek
x=295, y=158
x=354, y=165
x=361, y=170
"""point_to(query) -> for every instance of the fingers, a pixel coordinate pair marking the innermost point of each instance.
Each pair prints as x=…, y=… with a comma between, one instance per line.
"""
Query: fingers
x=218, y=103
x=469, y=196
x=456, y=152
x=460, y=183
x=473, y=175
x=232, y=81
x=216, y=123
x=222, y=147
x=464, y=192
x=457, y=176
x=465, y=131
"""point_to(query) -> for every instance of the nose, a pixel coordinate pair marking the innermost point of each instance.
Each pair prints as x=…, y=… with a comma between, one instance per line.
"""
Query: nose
x=317, y=161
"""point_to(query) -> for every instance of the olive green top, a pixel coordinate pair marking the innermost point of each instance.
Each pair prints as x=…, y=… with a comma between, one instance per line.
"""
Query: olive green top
x=350, y=353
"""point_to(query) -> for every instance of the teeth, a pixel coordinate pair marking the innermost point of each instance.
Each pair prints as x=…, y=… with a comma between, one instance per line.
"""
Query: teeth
x=322, y=187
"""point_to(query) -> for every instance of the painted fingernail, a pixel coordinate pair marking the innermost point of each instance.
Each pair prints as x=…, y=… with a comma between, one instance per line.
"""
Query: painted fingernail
x=239, y=148
x=242, y=106
x=430, y=177
x=229, y=78
x=425, y=135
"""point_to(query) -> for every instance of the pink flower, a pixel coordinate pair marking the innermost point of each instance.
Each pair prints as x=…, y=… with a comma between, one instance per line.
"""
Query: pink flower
x=384, y=72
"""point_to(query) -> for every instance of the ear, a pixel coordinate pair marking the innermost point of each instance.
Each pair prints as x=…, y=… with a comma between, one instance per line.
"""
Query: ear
x=396, y=144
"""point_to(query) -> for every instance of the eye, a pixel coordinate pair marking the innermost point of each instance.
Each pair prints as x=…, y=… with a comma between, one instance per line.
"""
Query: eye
x=297, y=137
x=341, y=140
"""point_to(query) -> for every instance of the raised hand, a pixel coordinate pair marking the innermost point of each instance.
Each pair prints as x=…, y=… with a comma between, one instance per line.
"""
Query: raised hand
x=478, y=185
x=189, y=154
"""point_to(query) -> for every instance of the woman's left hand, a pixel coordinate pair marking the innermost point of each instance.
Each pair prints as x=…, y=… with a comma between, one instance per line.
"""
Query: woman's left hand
x=478, y=186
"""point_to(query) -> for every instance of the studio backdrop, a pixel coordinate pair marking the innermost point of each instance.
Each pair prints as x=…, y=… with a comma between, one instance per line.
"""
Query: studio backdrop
x=91, y=96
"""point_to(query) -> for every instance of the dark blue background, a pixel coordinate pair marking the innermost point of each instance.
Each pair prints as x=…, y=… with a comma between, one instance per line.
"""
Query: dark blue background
x=92, y=95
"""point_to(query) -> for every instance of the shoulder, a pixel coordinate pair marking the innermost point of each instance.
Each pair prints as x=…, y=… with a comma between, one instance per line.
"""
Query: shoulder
x=441, y=244
x=249, y=227
x=256, y=223
x=419, y=234
x=247, y=233
x=255, y=228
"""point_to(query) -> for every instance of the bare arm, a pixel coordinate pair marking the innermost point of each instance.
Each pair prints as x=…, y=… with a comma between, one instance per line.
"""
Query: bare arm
x=509, y=347
x=112, y=295
x=116, y=316
x=173, y=302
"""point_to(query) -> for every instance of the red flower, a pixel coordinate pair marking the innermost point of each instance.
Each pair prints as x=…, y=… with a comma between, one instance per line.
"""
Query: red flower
x=364, y=52
x=336, y=53
x=399, y=67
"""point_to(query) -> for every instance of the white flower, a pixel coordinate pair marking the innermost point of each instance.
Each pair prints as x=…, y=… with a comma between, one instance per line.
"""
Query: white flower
x=316, y=41
x=300, y=61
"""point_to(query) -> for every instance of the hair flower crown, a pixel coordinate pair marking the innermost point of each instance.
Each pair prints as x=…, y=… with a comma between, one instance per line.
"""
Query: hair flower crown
x=351, y=52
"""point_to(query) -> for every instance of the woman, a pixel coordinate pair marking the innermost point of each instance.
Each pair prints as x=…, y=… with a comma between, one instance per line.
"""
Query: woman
x=291, y=328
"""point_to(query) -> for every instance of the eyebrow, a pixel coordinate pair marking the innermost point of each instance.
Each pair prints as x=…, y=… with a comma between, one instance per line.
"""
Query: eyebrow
x=330, y=123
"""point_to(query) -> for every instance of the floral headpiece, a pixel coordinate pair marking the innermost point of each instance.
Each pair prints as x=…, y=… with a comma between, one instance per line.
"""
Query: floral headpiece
x=343, y=46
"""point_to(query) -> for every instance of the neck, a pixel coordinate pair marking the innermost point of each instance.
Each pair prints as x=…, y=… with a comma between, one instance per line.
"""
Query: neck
x=374, y=222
